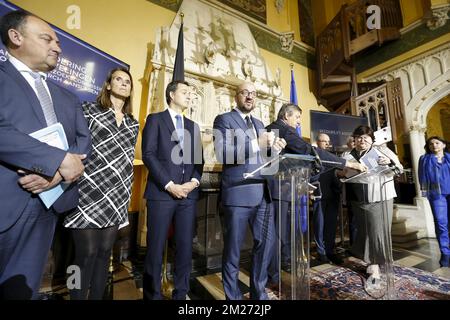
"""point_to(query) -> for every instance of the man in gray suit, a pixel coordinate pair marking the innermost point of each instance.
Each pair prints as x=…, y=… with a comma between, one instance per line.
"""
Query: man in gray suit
x=240, y=143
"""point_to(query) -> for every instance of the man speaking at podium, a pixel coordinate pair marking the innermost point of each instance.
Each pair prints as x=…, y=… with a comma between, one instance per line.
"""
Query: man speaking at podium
x=239, y=142
x=27, y=166
x=285, y=126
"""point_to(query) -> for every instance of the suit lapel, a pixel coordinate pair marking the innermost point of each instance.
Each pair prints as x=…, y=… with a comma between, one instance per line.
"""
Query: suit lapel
x=56, y=96
x=258, y=125
x=27, y=90
x=189, y=127
x=60, y=110
x=240, y=122
x=169, y=124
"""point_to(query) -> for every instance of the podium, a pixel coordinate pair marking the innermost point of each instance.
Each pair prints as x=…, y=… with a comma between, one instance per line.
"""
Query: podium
x=372, y=181
x=288, y=178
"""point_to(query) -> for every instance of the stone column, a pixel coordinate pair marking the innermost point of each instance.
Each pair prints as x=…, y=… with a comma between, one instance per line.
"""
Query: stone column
x=417, y=142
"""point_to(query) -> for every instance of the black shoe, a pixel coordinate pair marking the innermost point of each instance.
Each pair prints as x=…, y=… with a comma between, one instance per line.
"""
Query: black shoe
x=335, y=259
x=286, y=267
x=323, y=258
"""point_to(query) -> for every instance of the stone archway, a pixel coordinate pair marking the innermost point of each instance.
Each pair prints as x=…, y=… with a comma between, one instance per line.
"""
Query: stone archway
x=425, y=80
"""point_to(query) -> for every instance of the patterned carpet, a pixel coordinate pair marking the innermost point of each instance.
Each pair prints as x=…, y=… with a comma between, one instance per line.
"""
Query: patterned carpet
x=346, y=282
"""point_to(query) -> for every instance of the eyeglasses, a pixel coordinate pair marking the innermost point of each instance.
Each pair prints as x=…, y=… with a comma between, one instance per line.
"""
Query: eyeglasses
x=247, y=93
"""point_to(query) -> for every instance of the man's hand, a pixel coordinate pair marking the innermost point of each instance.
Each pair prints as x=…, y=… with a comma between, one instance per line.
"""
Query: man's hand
x=356, y=165
x=177, y=191
x=279, y=144
x=71, y=168
x=266, y=140
x=189, y=186
x=36, y=184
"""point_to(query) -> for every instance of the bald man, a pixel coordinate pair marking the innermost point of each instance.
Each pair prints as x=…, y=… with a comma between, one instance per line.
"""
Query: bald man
x=239, y=141
x=326, y=210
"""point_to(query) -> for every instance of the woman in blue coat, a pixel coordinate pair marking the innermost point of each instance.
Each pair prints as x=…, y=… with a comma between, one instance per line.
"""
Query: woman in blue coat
x=434, y=177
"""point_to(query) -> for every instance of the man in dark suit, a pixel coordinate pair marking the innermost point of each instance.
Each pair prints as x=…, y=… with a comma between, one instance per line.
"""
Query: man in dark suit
x=172, y=152
x=240, y=145
x=28, y=166
x=288, y=119
x=326, y=210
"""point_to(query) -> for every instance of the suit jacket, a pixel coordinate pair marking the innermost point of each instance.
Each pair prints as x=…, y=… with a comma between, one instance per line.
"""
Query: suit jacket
x=234, y=150
x=295, y=144
x=158, y=149
x=20, y=115
x=330, y=185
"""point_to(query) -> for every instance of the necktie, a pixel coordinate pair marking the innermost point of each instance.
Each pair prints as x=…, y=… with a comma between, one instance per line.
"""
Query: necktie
x=299, y=131
x=180, y=131
x=44, y=99
x=250, y=126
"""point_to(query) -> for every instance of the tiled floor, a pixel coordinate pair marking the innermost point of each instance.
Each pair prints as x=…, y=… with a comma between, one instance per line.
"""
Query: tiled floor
x=127, y=276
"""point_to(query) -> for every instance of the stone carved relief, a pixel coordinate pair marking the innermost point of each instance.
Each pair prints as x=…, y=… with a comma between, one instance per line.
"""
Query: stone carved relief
x=287, y=41
x=220, y=52
x=279, y=4
x=437, y=17
x=210, y=53
x=253, y=8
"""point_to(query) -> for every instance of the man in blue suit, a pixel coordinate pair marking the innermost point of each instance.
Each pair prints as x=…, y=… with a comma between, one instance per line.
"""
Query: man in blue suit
x=240, y=143
x=30, y=102
x=172, y=152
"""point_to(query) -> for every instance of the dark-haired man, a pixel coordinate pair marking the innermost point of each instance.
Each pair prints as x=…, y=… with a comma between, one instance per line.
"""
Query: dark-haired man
x=29, y=102
x=288, y=119
x=172, y=152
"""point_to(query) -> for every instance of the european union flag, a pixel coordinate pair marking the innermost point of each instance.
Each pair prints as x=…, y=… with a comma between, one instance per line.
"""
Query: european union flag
x=303, y=205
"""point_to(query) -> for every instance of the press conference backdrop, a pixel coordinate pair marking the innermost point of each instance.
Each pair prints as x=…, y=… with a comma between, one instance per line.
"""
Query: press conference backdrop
x=337, y=126
x=81, y=68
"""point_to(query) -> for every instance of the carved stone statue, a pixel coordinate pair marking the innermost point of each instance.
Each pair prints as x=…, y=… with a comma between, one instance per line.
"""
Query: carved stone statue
x=220, y=52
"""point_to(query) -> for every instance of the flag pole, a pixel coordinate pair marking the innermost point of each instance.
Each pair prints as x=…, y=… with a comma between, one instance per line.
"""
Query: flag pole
x=178, y=66
x=167, y=285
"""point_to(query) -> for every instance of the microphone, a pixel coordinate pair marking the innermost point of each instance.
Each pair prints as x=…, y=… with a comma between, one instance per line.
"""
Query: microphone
x=391, y=164
x=318, y=161
x=394, y=167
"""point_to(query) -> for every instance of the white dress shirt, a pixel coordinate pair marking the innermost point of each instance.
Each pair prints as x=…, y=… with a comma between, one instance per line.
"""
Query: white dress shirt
x=173, y=115
x=254, y=142
x=25, y=71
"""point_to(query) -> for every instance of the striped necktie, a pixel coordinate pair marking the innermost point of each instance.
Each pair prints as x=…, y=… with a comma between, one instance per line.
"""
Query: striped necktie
x=44, y=99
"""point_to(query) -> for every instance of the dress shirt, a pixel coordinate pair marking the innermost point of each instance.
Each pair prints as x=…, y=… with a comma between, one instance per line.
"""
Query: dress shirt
x=254, y=142
x=173, y=115
x=25, y=71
